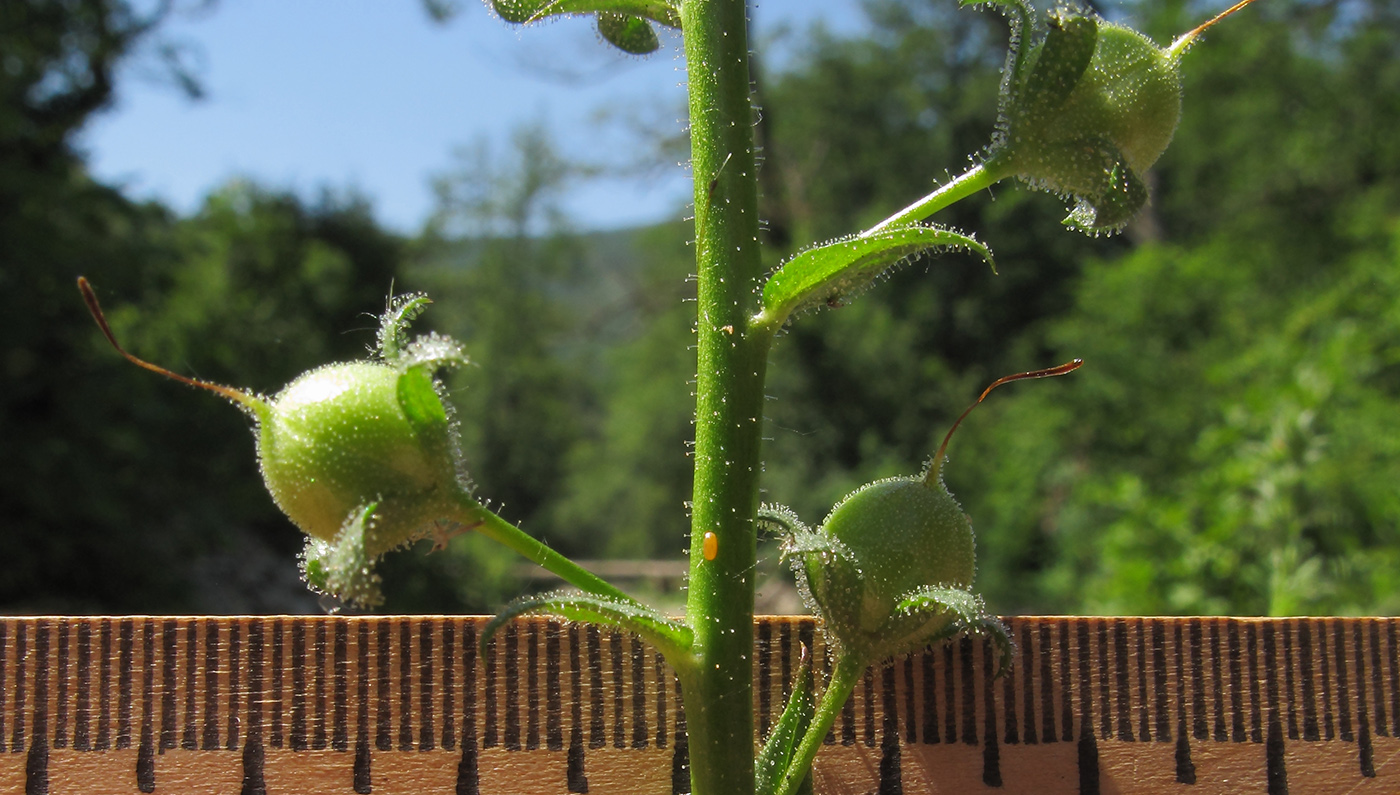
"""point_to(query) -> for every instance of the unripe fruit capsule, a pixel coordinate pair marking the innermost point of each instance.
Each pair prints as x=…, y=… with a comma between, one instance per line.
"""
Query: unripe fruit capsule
x=337, y=438
x=1087, y=110
x=906, y=534
x=344, y=437
x=888, y=542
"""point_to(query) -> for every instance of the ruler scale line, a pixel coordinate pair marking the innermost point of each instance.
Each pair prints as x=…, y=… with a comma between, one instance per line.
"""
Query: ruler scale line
x=145, y=753
x=360, y=778
x=1161, y=710
x=169, y=638
x=340, y=720
x=680, y=758
x=275, y=727
x=662, y=681
x=1010, y=682
x=468, y=769
x=929, y=688
x=427, y=741
x=1123, y=684
x=297, y=738
x=4, y=691
x=1185, y=766
x=1363, y=717
x=104, y=689
x=576, y=774
x=60, y=712
x=891, y=781
x=553, y=687
x=1377, y=689
x=189, y=736
x=1256, y=728
x=36, y=768
x=1037, y=710
x=1393, y=659
x=868, y=702
x=991, y=749
x=597, y=727
x=209, y=739
x=320, y=738
x=1087, y=748
x=449, y=684
x=1339, y=648
x=1276, y=773
x=21, y=681
x=1305, y=655
x=405, y=702
x=1286, y=632
x=618, y=689
x=763, y=693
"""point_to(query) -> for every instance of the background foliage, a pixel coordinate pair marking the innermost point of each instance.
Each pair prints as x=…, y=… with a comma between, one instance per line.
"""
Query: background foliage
x=1231, y=446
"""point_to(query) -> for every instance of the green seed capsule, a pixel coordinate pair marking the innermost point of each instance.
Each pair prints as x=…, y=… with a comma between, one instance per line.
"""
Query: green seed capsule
x=891, y=568
x=367, y=443
x=337, y=439
x=1086, y=110
x=903, y=534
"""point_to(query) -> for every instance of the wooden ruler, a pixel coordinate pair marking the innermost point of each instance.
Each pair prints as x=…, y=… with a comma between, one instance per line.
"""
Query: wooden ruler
x=92, y=706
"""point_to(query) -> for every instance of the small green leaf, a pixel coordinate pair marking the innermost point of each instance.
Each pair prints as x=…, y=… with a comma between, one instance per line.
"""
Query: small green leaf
x=1059, y=63
x=1022, y=17
x=969, y=615
x=664, y=12
x=831, y=271
x=419, y=400
x=343, y=568
x=393, y=324
x=671, y=638
x=776, y=756
x=779, y=519
x=1109, y=194
x=434, y=352
x=630, y=34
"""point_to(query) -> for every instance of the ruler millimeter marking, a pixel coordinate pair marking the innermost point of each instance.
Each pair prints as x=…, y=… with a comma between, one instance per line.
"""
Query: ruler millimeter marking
x=264, y=705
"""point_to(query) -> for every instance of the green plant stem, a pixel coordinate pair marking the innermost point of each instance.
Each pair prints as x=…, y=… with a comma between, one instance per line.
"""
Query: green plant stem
x=483, y=521
x=844, y=676
x=731, y=366
x=982, y=175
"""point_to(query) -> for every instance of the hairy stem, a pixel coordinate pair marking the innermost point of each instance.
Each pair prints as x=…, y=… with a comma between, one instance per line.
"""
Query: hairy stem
x=483, y=521
x=844, y=676
x=982, y=175
x=729, y=399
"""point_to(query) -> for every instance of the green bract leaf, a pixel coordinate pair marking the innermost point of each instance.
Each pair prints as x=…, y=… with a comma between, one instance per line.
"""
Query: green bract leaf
x=342, y=568
x=434, y=352
x=1058, y=65
x=671, y=638
x=776, y=756
x=628, y=33
x=775, y=518
x=420, y=401
x=1023, y=19
x=969, y=614
x=831, y=271
x=393, y=324
x=526, y=11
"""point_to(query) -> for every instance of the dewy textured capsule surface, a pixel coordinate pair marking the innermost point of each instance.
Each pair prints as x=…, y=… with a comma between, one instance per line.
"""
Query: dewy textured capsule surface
x=1087, y=110
x=904, y=534
x=336, y=439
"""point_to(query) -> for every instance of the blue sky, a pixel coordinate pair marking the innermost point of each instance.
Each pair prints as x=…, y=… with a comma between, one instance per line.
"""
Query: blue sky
x=371, y=95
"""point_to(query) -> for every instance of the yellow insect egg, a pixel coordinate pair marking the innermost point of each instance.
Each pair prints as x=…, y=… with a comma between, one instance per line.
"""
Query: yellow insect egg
x=709, y=545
